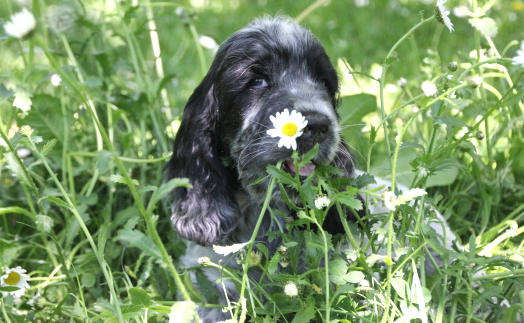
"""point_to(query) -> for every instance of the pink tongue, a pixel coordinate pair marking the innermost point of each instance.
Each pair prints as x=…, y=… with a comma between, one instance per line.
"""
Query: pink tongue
x=303, y=171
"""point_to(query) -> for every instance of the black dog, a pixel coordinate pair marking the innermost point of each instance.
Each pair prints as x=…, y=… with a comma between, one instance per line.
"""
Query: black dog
x=223, y=145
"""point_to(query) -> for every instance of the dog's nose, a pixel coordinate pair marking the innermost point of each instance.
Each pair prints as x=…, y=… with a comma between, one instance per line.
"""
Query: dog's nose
x=317, y=127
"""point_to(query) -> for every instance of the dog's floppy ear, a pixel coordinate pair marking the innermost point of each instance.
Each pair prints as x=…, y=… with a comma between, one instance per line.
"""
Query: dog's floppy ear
x=208, y=211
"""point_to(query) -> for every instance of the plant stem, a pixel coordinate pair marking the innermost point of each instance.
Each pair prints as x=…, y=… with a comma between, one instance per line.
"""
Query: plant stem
x=383, y=76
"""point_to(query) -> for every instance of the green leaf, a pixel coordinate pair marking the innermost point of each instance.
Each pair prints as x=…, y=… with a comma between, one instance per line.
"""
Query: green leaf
x=165, y=189
x=354, y=277
x=137, y=239
x=160, y=309
x=56, y=200
x=88, y=280
x=306, y=314
x=355, y=107
x=338, y=267
x=102, y=237
x=449, y=121
x=281, y=175
x=103, y=159
x=120, y=179
x=400, y=286
x=350, y=200
x=310, y=155
x=139, y=297
x=48, y=146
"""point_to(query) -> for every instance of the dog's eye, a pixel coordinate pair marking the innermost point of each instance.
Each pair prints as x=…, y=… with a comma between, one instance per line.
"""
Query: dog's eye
x=258, y=83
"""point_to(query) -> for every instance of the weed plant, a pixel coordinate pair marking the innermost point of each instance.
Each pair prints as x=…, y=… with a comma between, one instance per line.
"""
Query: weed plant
x=87, y=116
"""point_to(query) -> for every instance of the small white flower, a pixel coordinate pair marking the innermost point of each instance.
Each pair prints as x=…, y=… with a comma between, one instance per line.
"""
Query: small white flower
x=389, y=199
x=322, y=201
x=15, y=277
x=22, y=100
x=288, y=127
x=226, y=250
x=56, y=80
x=402, y=82
x=291, y=289
x=361, y=3
x=423, y=172
x=475, y=81
x=519, y=59
x=442, y=13
x=202, y=261
x=409, y=195
x=429, y=88
x=208, y=42
x=22, y=24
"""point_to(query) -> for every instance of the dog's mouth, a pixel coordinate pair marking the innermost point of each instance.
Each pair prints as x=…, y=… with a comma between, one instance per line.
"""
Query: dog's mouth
x=289, y=166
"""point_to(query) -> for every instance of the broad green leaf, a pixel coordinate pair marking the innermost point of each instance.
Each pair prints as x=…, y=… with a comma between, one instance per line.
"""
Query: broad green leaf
x=139, y=297
x=103, y=159
x=137, y=239
x=400, y=286
x=350, y=200
x=88, y=280
x=354, y=277
x=306, y=314
x=338, y=267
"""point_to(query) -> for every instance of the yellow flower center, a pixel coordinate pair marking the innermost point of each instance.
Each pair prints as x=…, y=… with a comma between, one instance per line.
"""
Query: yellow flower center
x=12, y=278
x=289, y=129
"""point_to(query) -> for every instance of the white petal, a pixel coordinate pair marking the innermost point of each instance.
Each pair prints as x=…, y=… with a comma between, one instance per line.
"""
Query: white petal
x=273, y=133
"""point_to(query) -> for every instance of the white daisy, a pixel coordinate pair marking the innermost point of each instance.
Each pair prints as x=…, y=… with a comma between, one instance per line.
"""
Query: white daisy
x=22, y=100
x=389, y=199
x=291, y=289
x=56, y=80
x=22, y=24
x=15, y=277
x=288, y=127
x=442, y=13
x=429, y=88
x=322, y=201
x=519, y=59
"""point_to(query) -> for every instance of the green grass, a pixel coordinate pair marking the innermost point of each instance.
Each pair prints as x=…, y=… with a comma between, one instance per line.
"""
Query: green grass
x=84, y=211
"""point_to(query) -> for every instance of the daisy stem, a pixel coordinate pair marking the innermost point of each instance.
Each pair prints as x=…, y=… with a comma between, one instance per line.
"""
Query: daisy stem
x=255, y=234
x=7, y=320
x=383, y=76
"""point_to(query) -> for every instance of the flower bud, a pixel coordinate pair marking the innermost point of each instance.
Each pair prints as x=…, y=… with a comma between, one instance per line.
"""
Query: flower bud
x=26, y=131
x=203, y=261
x=479, y=135
x=475, y=81
x=453, y=66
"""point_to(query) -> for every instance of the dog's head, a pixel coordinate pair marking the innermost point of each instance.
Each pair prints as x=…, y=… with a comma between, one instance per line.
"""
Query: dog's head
x=222, y=145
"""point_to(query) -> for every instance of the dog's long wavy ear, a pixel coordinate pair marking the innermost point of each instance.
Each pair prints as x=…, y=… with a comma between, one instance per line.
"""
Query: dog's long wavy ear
x=208, y=211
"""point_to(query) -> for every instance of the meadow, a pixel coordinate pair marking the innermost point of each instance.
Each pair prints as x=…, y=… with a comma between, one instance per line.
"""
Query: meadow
x=91, y=97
